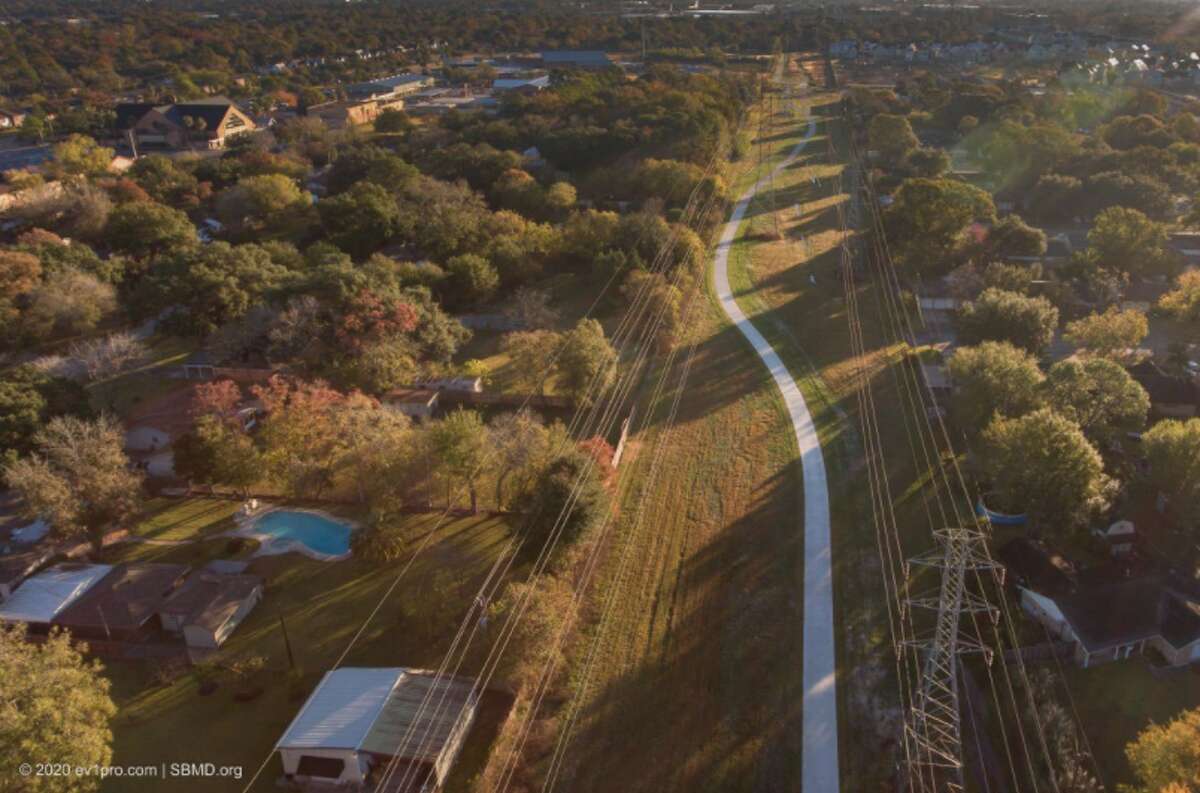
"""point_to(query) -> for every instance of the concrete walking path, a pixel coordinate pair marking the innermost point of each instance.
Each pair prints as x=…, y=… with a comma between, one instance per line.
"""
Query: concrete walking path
x=819, y=755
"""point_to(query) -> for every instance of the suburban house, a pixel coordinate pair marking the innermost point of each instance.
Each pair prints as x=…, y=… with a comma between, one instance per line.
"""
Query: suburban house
x=576, y=59
x=41, y=598
x=416, y=403
x=122, y=605
x=1171, y=395
x=1104, y=614
x=205, y=123
x=360, y=719
x=207, y=608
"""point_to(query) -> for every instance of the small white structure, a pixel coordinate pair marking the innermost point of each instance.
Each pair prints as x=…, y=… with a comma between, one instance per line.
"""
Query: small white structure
x=358, y=718
x=40, y=598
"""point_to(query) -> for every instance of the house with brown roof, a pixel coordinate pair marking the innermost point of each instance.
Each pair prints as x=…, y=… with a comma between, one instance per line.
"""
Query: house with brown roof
x=207, y=608
x=123, y=605
x=201, y=124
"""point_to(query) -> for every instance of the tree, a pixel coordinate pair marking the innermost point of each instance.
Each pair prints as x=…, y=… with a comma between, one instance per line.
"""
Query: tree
x=165, y=181
x=563, y=501
x=379, y=544
x=663, y=300
x=110, y=355
x=211, y=285
x=382, y=365
x=1173, y=452
x=519, y=440
x=55, y=703
x=928, y=162
x=531, y=307
x=997, y=315
x=531, y=357
x=1183, y=302
x=393, y=121
x=218, y=452
x=1128, y=241
x=259, y=202
x=1055, y=198
x=473, y=279
x=361, y=219
x=379, y=451
x=143, y=229
x=78, y=478
x=892, y=136
x=80, y=155
x=67, y=303
x=1042, y=464
x=1166, y=757
x=1098, y=395
x=29, y=398
x=1115, y=334
x=301, y=441
x=993, y=378
x=460, y=443
x=1012, y=236
x=20, y=273
x=588, y=363
x=928, y=217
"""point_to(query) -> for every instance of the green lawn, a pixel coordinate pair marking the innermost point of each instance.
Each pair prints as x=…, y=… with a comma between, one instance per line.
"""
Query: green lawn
x=122, y=394
x=322, y=604
x=1117, y=700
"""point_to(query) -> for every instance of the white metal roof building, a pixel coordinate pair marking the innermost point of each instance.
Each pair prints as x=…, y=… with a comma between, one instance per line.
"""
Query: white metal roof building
x=40, y=598
x=360, y=717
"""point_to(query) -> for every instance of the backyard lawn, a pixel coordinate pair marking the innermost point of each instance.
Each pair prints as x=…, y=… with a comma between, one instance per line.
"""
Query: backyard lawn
x=1117, y=701
x=163, y=717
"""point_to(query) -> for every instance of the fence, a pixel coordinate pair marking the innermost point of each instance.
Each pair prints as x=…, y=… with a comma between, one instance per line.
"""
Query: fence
x=1042, y=652
x=512, y=400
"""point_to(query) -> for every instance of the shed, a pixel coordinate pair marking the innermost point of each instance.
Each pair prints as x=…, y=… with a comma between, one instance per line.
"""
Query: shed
x=209, y=606
x=417, y=403
x=41, y=598
x=361, y=718
x=122, y=604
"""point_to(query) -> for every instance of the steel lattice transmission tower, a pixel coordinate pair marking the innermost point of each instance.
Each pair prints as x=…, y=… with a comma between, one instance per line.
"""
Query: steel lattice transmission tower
x=933, y=728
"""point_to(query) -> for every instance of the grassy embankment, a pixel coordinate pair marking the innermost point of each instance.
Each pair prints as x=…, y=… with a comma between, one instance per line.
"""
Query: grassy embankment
x=698, y=680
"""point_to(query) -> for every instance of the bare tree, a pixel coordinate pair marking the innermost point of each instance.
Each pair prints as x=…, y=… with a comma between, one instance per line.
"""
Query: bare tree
x=109, y=356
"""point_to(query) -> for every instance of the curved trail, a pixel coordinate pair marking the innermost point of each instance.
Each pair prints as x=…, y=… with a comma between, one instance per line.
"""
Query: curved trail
x=819, y=757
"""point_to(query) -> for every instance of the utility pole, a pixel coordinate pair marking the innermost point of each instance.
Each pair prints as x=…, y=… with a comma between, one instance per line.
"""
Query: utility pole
x=287, y=643
x=933, y=731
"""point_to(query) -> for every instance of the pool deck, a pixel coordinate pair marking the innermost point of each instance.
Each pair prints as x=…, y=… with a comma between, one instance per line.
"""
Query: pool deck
x=271, y=545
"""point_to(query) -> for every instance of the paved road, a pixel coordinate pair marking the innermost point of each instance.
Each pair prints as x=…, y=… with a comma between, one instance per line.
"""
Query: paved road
x=820, y=751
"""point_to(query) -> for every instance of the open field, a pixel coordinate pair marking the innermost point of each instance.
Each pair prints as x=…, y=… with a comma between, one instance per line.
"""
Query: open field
x=322, y=605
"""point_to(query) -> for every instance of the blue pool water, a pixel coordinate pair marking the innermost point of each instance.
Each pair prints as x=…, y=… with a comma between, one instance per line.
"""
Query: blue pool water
x=317, y=532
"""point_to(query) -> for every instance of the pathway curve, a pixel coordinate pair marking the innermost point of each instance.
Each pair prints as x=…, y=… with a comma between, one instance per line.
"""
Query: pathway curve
x=819, y=756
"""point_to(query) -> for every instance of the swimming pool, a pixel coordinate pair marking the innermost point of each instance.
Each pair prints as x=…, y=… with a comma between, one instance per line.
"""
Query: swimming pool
x=281, y=530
